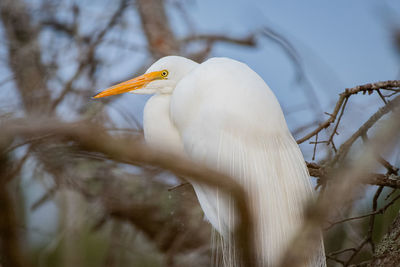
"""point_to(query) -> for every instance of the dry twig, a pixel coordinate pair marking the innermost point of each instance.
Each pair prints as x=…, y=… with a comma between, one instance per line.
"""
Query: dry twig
x=370, y=87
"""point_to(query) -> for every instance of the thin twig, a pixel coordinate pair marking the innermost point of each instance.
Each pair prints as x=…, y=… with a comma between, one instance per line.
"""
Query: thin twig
x=337, y=252
x=177, y=186
x=390, y=168
x=390, y=194
x=345, y=147
x=356, y=251
x=381, y=96
x=387, y=85
x=330, y=140
x=247, y=41
x=335, y=259
x=315, y=146
x=372, y=218
x=380, y=211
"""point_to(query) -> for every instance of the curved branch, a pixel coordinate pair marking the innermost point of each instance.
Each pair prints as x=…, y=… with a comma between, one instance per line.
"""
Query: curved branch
x=134, y=151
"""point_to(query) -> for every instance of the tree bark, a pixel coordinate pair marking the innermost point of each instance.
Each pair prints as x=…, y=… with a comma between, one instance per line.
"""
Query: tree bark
x=388, y=251
x=160, y=38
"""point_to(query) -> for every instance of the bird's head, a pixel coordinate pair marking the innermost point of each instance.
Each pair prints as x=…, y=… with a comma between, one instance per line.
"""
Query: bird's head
x=161, y=78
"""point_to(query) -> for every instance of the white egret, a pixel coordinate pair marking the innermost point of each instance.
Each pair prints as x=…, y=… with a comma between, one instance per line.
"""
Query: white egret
x=222, y=114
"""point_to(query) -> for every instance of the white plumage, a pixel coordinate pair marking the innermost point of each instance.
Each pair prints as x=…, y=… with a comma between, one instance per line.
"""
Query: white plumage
x=222, y=114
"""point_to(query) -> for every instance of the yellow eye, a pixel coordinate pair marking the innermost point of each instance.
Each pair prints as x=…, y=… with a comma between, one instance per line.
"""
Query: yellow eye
x=164, y=73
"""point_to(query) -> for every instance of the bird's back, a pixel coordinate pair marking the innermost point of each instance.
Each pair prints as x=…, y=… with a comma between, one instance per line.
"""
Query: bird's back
x=230, y=120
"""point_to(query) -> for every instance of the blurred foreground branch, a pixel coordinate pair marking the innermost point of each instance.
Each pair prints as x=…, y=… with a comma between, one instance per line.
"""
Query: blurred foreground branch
x=133, y=151
x=10, y=244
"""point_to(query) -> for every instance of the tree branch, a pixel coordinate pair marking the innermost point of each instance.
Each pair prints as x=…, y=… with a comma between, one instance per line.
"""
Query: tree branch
x=344, y=183
x=94, y=138
x=25, y=56
x=161, y=39
x=212, y=38
x=370, y=87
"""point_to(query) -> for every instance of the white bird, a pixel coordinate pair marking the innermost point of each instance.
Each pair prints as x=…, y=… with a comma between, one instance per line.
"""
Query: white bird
x=222, y=114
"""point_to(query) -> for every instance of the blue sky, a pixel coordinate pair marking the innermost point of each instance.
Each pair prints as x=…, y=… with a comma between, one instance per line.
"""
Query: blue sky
x=341, y=44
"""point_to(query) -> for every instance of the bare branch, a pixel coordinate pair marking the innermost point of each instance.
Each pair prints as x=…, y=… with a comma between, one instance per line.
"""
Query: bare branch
x=380, y=211
x=212, y=38
x=340, y=191
x=389, y=180
x=25, y=55
x=370, y=87
x=161, y=40
x=10, y=247
x=345, y=147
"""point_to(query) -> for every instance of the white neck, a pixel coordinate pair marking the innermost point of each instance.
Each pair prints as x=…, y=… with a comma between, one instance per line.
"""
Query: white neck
x=159, y=131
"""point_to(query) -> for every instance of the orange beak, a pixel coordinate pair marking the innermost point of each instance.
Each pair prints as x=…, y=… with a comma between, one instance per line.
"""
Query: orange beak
x=130, y=85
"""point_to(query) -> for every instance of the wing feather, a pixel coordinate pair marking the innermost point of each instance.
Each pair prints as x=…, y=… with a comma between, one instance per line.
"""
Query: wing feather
x=234, y=124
